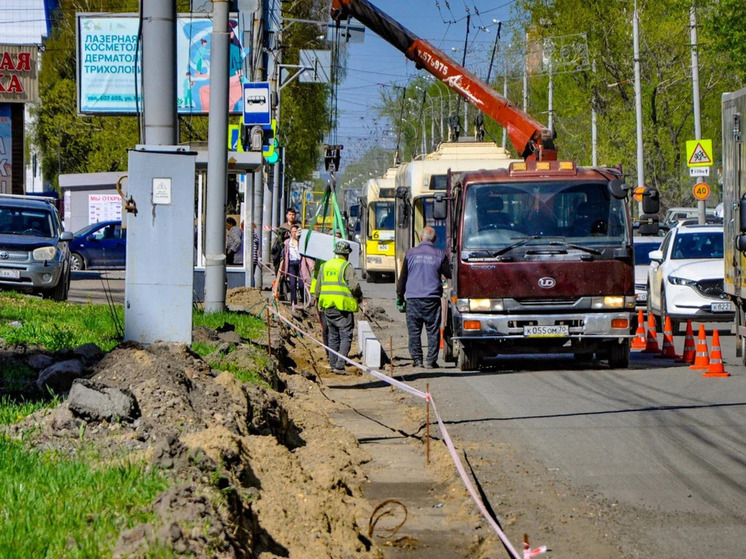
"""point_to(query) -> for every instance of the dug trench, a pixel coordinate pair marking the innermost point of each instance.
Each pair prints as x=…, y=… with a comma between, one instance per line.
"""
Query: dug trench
x=260, y=471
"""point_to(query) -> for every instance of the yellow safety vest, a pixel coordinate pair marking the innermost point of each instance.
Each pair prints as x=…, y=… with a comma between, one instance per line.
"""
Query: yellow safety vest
x=334, y=291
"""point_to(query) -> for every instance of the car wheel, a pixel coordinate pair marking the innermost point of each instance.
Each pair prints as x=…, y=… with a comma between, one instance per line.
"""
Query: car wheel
x=619, y=355
x=60, y=291
x=467, y=359
x=664, y=313
x=76, y=262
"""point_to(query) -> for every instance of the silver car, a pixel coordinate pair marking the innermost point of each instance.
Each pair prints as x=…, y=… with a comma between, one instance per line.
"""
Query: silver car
x=34, y=254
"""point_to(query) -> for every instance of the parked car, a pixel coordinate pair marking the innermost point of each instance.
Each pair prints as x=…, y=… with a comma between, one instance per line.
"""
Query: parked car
x=643, y=247
x=34, y=252
x=675, y=215
x=99, y=245
x=685, y=280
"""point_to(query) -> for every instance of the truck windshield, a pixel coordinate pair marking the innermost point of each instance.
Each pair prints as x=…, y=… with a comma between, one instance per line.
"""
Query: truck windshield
x=583, y=213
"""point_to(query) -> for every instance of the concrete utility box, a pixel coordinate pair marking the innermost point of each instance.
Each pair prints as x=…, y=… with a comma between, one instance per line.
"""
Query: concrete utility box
x=160, y=245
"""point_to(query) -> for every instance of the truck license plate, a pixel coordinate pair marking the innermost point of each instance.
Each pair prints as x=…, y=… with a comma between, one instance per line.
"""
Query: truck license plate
x=642, y=296
x=12, y=274
x=556, y=331
x=720, y=307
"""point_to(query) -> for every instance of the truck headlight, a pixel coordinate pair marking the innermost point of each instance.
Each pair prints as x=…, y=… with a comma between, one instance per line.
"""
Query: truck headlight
x=680, y=281
x=480, y=305
x=44, y=253
x=613, y=302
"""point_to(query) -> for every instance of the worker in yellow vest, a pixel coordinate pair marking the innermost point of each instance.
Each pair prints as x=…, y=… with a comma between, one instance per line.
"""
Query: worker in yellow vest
x=338, y=294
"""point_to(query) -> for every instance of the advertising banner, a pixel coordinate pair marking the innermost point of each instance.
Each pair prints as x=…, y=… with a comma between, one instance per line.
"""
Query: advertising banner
x=104, y=207
x=6, y=151
x=18, y=77
x=108, y=51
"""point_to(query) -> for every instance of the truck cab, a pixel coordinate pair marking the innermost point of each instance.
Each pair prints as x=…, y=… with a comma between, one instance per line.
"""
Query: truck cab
x=542, y=262
x=377, y=227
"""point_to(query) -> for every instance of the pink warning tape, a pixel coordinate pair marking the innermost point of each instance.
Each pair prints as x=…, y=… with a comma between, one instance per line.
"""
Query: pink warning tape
x=446, y=438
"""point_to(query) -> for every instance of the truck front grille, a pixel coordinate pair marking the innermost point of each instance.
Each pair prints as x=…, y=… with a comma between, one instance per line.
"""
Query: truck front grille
x=566, y=302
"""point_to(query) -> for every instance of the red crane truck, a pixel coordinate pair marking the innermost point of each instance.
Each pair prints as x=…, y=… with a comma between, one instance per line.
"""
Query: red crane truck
x=541, y=251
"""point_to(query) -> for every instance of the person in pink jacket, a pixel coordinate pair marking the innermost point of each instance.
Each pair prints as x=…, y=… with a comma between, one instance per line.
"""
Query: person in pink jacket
x=298, y=269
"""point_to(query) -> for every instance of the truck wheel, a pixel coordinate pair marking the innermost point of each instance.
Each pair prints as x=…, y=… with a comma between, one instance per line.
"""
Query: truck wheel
x=448, y=355
x=583, y=357
x=619, y=355
x=467, y=359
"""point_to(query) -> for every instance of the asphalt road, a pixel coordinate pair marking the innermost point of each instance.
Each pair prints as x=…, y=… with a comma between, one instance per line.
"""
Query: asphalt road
x=660, y=443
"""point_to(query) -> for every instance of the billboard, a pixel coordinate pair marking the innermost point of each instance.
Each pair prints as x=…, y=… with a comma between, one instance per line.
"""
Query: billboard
x=108, y=50
x=18, y=77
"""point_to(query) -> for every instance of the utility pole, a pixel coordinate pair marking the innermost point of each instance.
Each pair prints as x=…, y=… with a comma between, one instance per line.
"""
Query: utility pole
x=273, y=73
x=695, y=97
x=257, y=53
x=638, y=101
x=505, y=95
x=217, y=161
x=159, y=87
x=594, y=125
x=525, y=76
x=550, y=94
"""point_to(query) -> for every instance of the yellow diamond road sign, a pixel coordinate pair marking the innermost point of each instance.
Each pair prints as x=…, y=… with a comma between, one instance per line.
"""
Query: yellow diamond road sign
x=698, y=153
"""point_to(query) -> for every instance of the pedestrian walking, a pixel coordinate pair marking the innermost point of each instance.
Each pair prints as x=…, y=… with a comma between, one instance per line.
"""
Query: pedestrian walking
x=296, y=267
x=338, y=293
x=233, y=240
x=419, y=292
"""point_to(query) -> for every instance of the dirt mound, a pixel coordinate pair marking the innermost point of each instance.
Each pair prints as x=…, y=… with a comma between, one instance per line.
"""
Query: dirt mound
x=256, y=473
x=249, y=298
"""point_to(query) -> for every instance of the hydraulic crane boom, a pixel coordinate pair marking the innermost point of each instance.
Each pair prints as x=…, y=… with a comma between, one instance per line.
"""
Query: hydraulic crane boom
x=530, y=138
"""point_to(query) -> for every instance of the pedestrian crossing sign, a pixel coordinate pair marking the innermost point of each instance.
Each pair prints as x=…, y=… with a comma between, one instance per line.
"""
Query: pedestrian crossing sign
x=699, y=153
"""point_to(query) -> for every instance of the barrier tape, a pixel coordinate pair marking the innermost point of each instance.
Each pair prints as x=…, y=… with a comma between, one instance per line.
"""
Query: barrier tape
x=446, y=438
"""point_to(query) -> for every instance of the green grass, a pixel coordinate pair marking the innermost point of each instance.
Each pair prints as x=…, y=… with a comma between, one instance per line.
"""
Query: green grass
x=59, y=507
x=55, y=325
x=12, y=411
x=247, y=325
x=262, y=361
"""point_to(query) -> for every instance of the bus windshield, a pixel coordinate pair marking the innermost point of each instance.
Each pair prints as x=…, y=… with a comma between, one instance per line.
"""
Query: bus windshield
x=381, y=215
x=583, y=213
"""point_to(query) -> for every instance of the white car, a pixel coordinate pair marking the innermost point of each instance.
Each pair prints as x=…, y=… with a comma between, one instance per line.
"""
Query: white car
x=643, y=247
x=685, y=279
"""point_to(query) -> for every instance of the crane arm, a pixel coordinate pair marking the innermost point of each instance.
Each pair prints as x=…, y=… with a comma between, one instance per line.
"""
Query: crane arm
x=530, y=138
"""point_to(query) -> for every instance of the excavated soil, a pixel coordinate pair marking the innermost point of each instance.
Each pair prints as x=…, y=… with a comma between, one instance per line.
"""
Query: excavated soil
x=256, y=472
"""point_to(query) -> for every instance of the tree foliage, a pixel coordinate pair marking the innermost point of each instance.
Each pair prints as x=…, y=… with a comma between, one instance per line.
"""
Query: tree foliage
x=665, y=55
x=304, y=116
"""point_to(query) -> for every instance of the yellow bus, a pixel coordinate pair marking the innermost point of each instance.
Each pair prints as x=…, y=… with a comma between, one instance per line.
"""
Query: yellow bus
x=418, y=181
x=377, y=227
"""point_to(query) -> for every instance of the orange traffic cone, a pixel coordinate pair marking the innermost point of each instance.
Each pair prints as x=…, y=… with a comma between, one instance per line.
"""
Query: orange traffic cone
x=701, y=358
x=716, y=368
x=651, y=346
x=689, y=348
x=639, y=341
x=668, y=348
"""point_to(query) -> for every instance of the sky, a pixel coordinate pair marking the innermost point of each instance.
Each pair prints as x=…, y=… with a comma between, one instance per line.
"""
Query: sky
x=375, y=64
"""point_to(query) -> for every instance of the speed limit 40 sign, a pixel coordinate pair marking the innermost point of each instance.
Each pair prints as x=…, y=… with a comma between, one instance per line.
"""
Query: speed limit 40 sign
x=701, y=191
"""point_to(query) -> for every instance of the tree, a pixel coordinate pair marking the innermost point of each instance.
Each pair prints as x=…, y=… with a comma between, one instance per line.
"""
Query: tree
x=725, y=23
x=666, y=86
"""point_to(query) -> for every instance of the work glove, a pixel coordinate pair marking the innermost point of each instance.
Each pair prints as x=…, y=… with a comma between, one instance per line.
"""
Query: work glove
x=401, y=304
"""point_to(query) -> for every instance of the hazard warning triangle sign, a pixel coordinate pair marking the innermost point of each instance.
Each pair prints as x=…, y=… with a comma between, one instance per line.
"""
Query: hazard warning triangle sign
x=698, y=153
